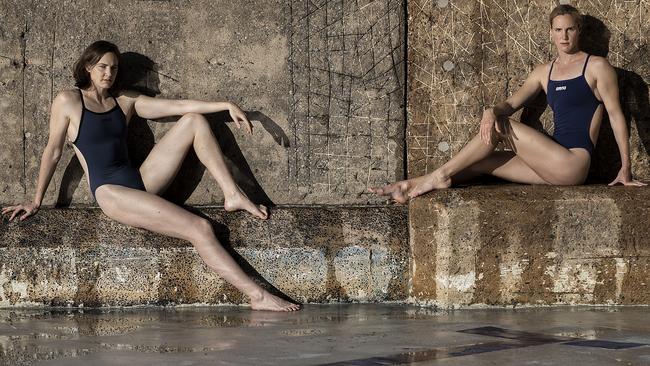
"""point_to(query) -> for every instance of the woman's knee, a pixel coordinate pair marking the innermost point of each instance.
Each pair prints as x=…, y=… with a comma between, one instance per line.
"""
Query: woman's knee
x=202, y=229
x=193, y=120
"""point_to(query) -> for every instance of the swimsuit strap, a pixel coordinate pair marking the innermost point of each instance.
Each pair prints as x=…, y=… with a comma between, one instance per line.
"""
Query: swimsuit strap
x=83, y=105
x=584, y=68
x=117, y=105
x=551, y=70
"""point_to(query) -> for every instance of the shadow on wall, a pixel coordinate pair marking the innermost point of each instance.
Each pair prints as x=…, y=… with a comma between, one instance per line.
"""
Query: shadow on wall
x=141, y=74
x=633, y=96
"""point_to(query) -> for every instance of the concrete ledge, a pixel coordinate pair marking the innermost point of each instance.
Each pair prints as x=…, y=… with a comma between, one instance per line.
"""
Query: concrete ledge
x=79, y=257
x=494, y=245
x=532, y=245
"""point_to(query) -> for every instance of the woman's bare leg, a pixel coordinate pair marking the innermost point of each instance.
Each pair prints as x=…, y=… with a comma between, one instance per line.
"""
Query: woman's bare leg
x=502, y=164
x=165, y=159
x=148, y=211
x=550, y=162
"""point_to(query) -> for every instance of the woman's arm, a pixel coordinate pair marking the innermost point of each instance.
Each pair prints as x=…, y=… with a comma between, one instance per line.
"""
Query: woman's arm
x=528, y=90
x=607, y=86
x=50, y=158
x=152, y=108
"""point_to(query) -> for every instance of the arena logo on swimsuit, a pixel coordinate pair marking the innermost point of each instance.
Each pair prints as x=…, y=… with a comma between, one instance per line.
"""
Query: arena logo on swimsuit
x=558, y=88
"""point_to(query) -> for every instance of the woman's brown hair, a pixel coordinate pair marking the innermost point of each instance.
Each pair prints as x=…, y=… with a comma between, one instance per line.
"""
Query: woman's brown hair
x=90, y=56
x=566, y=10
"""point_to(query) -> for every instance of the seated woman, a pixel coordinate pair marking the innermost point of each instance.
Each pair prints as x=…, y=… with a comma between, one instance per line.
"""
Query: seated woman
x=577, y=86
x=95, y=122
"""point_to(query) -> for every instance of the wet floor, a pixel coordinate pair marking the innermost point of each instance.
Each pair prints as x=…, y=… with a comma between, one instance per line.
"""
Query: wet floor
x=325, y=335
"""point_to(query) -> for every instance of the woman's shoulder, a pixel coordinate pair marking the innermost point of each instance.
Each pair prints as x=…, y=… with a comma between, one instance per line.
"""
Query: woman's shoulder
x=599, y=62
x=542, y=70
x=68, y=98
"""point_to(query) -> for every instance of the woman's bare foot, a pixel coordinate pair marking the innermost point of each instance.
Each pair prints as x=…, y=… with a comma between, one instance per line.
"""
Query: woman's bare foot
x=239, y=201
x=270, y=302
x=401, y=191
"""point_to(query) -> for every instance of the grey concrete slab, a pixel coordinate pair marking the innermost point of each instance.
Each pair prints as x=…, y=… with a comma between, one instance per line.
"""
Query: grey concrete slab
x=313, y=254
x=541, y=245
x=322, y=335
x=12, y=57
x=323, y=85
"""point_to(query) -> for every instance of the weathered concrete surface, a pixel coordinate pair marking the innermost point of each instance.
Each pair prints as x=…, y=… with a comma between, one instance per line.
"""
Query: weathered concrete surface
x=324, y=80
x=12, y=182
x=80, y=257
x=495, y=245
x=465, y=55
x=348, y=95
x=533, y=245
x=352, y=334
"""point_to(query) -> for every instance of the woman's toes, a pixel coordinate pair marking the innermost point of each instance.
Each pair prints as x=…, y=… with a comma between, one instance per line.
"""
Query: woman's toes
x=414, y=192
x=398, y=197
x=264, y=212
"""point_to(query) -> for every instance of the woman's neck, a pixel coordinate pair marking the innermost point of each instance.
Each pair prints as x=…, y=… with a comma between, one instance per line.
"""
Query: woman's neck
x=566, y=58
x=98, y=94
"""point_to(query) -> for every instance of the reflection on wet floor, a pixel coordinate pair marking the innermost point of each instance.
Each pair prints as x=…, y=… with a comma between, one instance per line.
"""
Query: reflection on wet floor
x=318, y=335
x=527, y=337
x=523, y=339
x=605, y=344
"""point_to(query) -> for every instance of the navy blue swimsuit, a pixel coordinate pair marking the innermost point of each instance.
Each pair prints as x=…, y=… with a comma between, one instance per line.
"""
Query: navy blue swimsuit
x=102, y=142
x=573, y=104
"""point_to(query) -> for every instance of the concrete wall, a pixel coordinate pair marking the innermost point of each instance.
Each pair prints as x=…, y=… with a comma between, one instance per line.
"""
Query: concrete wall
x=530, y=245
x=325, y=82
x=79, y=257
x=496, y=245
x=323, y=79
x=466, y=55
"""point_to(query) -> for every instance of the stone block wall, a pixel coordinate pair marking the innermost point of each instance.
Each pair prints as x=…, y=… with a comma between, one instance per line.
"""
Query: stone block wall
x=531, y=245
x=324, y=82
x=79, y=257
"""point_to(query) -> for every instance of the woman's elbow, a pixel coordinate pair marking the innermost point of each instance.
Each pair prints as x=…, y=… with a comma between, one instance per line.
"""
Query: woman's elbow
x=56, y=158
x=52, y=154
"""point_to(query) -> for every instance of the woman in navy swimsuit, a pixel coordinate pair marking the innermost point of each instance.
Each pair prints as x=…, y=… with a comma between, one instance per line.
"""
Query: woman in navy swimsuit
x=578, y=87
x=96, y=122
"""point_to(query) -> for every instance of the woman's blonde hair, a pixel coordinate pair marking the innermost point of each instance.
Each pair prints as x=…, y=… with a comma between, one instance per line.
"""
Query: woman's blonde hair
x=566, y=10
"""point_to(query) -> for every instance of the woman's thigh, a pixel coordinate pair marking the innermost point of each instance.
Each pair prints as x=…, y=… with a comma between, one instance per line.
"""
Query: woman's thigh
x=165, y=159
x=148, y=211
x=507, y=165
x=551, y=161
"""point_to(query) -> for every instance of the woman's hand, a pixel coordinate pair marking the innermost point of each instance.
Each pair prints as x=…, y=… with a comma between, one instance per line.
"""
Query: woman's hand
x=30, y=208
x=625, y=177
x=239, y=117
x=488, y=122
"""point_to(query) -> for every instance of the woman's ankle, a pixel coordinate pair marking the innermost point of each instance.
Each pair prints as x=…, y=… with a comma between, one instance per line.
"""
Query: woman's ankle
x=440, y=174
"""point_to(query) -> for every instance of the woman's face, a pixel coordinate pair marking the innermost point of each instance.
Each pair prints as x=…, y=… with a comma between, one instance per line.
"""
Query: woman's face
x=565, y=33
x=103, y=73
